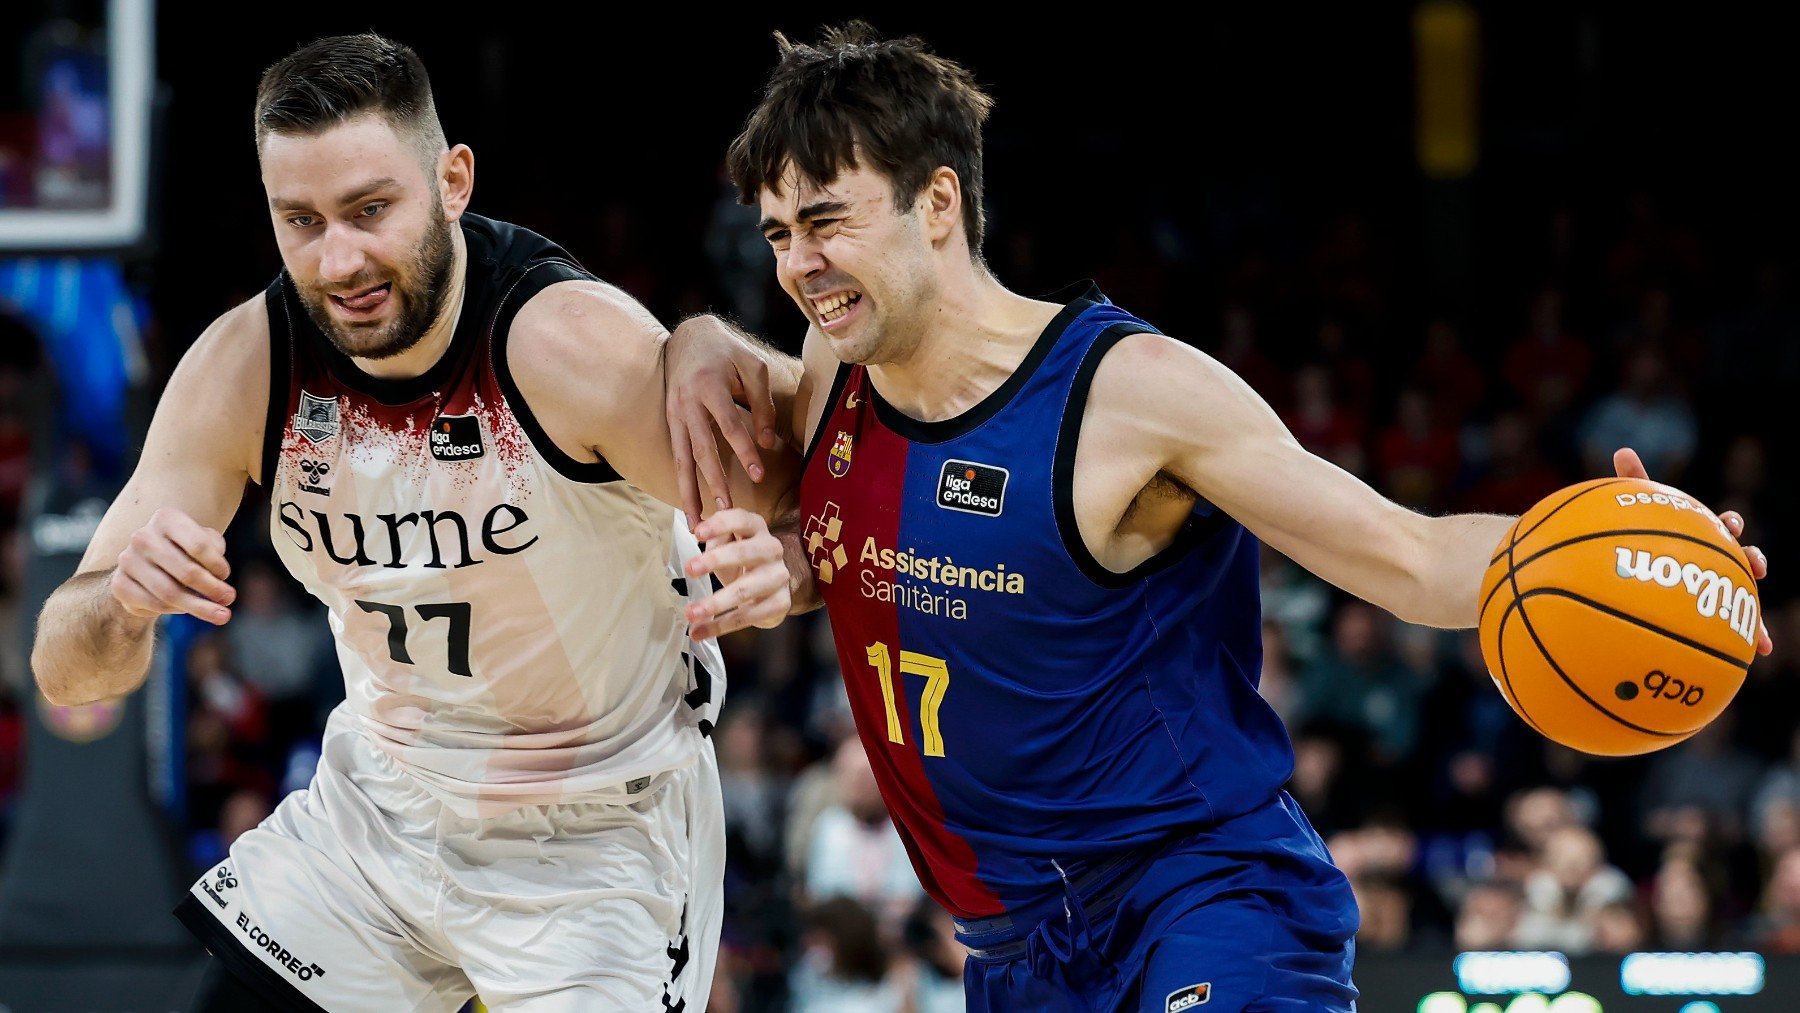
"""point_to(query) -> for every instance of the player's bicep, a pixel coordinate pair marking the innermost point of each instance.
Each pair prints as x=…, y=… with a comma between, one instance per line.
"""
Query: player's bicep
x=203, y=441
x=1224, y=441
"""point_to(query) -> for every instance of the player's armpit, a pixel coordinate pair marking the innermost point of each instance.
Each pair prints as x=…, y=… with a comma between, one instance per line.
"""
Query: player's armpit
x=1189, y=417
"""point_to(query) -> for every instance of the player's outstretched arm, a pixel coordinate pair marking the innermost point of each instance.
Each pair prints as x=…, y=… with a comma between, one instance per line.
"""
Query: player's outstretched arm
x=159, y=551
x=589, y=359
x=1175, y=411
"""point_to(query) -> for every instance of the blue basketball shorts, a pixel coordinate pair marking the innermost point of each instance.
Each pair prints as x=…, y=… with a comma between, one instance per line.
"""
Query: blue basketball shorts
x=1248, y=915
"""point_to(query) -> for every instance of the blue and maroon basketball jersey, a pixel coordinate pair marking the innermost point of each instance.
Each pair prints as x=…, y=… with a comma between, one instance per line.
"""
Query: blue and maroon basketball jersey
x=1028, y=711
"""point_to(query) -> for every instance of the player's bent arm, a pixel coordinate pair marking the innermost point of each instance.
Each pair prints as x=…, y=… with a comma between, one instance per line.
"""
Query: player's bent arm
x=1208, y=429
x=158, y=549
x=588, y=358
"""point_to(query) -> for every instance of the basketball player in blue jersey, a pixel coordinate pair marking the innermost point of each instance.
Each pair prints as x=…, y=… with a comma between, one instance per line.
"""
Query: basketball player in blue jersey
x=461, y=434
x=1035, y=526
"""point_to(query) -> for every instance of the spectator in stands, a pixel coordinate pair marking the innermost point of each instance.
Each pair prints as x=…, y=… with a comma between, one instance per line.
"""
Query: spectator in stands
x=1706, y=773
x=1778, y=928
x=855, y=851
x=1489, y=916
x=1618, y=929
x=1683, y=907
x=1448, y=375
x=1573, y=882
x=1647, y=413
x=1416, y=456
x=278, y=646
x=843, y=966
x=1515, y=476
x=1362, y=682
x=933, y=977
x=1385, y=903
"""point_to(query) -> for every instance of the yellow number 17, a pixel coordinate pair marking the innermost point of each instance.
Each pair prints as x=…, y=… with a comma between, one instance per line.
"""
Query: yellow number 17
x=937, y=683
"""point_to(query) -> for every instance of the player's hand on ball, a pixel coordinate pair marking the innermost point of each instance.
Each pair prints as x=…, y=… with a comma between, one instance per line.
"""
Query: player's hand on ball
x=1628, y=465
x=173, y=565
x=750, y=560
x=708, y=372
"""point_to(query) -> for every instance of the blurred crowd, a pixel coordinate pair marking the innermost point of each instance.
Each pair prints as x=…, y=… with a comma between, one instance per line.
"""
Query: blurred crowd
x=1458, y=825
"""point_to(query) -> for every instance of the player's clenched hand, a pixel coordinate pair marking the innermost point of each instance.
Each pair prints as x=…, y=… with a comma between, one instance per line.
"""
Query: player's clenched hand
x=1628, y=465
x=174, y=565
x=750, y=560
x=709, y=370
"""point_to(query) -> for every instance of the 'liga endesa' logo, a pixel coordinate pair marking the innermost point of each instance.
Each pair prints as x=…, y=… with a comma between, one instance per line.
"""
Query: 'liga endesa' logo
x=1714, y=594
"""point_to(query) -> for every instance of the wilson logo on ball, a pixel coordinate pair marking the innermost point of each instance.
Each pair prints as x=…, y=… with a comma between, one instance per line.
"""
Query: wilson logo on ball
x=1714, y=593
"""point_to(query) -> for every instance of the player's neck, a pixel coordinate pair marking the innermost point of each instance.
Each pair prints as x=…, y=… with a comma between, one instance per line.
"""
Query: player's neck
x=980, y=333
x=416, y=360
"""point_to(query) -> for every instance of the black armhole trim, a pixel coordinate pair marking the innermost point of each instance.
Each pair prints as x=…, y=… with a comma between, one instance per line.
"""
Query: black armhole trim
x=281, y=370
x=530, y=282
x=237, y=958
x=1194, y=530
x=831, y=402
x=957, y=426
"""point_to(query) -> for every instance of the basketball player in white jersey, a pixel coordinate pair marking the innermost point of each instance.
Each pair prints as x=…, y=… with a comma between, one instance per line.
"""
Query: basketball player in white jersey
x=463, y=438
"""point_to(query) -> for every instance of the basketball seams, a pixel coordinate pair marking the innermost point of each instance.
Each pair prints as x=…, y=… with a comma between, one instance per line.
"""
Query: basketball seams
x=1511, y=695
x=1748, y=580
x=1713, y=652
x=1553, y=512
x=1512, y=576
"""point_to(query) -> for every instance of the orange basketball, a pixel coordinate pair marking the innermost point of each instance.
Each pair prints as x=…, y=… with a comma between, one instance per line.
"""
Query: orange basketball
x=1618, y=616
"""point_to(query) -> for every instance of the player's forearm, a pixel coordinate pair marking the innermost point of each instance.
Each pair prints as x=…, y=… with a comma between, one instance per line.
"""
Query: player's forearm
x=1455, y=554
x=88, y=647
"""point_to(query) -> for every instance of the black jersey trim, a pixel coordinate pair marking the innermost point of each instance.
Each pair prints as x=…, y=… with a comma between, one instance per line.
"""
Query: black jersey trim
x=531, y=280
x=838, y=383
x=1195, y=530
x=237, y=958
x=1077, y=299
x=281, y=376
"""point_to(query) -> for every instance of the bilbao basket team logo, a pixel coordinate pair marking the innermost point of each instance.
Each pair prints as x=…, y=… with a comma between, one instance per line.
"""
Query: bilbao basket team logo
x=838, y=460
x=823, y=549
x=317, y=419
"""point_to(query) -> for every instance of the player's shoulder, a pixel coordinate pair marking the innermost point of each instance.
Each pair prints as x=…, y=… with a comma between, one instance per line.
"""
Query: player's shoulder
x=1145, y=369
x=231, y=356
x=584, y=323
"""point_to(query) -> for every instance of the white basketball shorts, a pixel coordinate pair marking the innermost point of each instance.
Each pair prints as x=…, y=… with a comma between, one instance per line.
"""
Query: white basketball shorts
x=365, y=893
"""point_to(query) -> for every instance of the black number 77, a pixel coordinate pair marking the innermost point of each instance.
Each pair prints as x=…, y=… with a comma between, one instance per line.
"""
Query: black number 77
x=455, y=611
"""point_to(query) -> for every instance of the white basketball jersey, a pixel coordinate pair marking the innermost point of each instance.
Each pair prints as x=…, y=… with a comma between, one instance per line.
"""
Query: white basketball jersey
x=509, y=620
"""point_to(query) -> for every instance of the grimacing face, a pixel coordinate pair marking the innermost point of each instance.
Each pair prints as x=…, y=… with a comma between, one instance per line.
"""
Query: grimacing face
x=362, y=230
x=861, y=272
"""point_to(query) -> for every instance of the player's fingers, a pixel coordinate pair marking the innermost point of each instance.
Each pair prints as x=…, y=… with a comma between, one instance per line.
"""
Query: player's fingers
x=169, y=557
x=730, y=421
x=201, y=544
x=751, y=587
x=1759, y=562
x=761, y=399
x=1764, y=644
x=738, y=554
x=766, y=605
x=171, y=597
x=1627, y=463
x=731, y=522
x=686, y=484
x=706, y=454
x=133, y=597
x=1734, y=523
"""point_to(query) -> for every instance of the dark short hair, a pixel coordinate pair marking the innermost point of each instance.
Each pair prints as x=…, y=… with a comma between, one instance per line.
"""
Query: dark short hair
x=333, y=80
x=856, y=99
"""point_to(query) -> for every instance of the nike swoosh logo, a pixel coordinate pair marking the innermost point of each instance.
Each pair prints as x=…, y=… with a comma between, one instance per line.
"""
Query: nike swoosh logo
x=850, y=402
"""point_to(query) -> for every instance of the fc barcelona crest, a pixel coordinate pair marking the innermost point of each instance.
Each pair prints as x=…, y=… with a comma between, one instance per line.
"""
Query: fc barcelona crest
x=838, y=462
x=317, y=419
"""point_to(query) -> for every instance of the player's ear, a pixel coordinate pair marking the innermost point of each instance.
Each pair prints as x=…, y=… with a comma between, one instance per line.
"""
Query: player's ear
x=943, y=204
x=456, y=180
